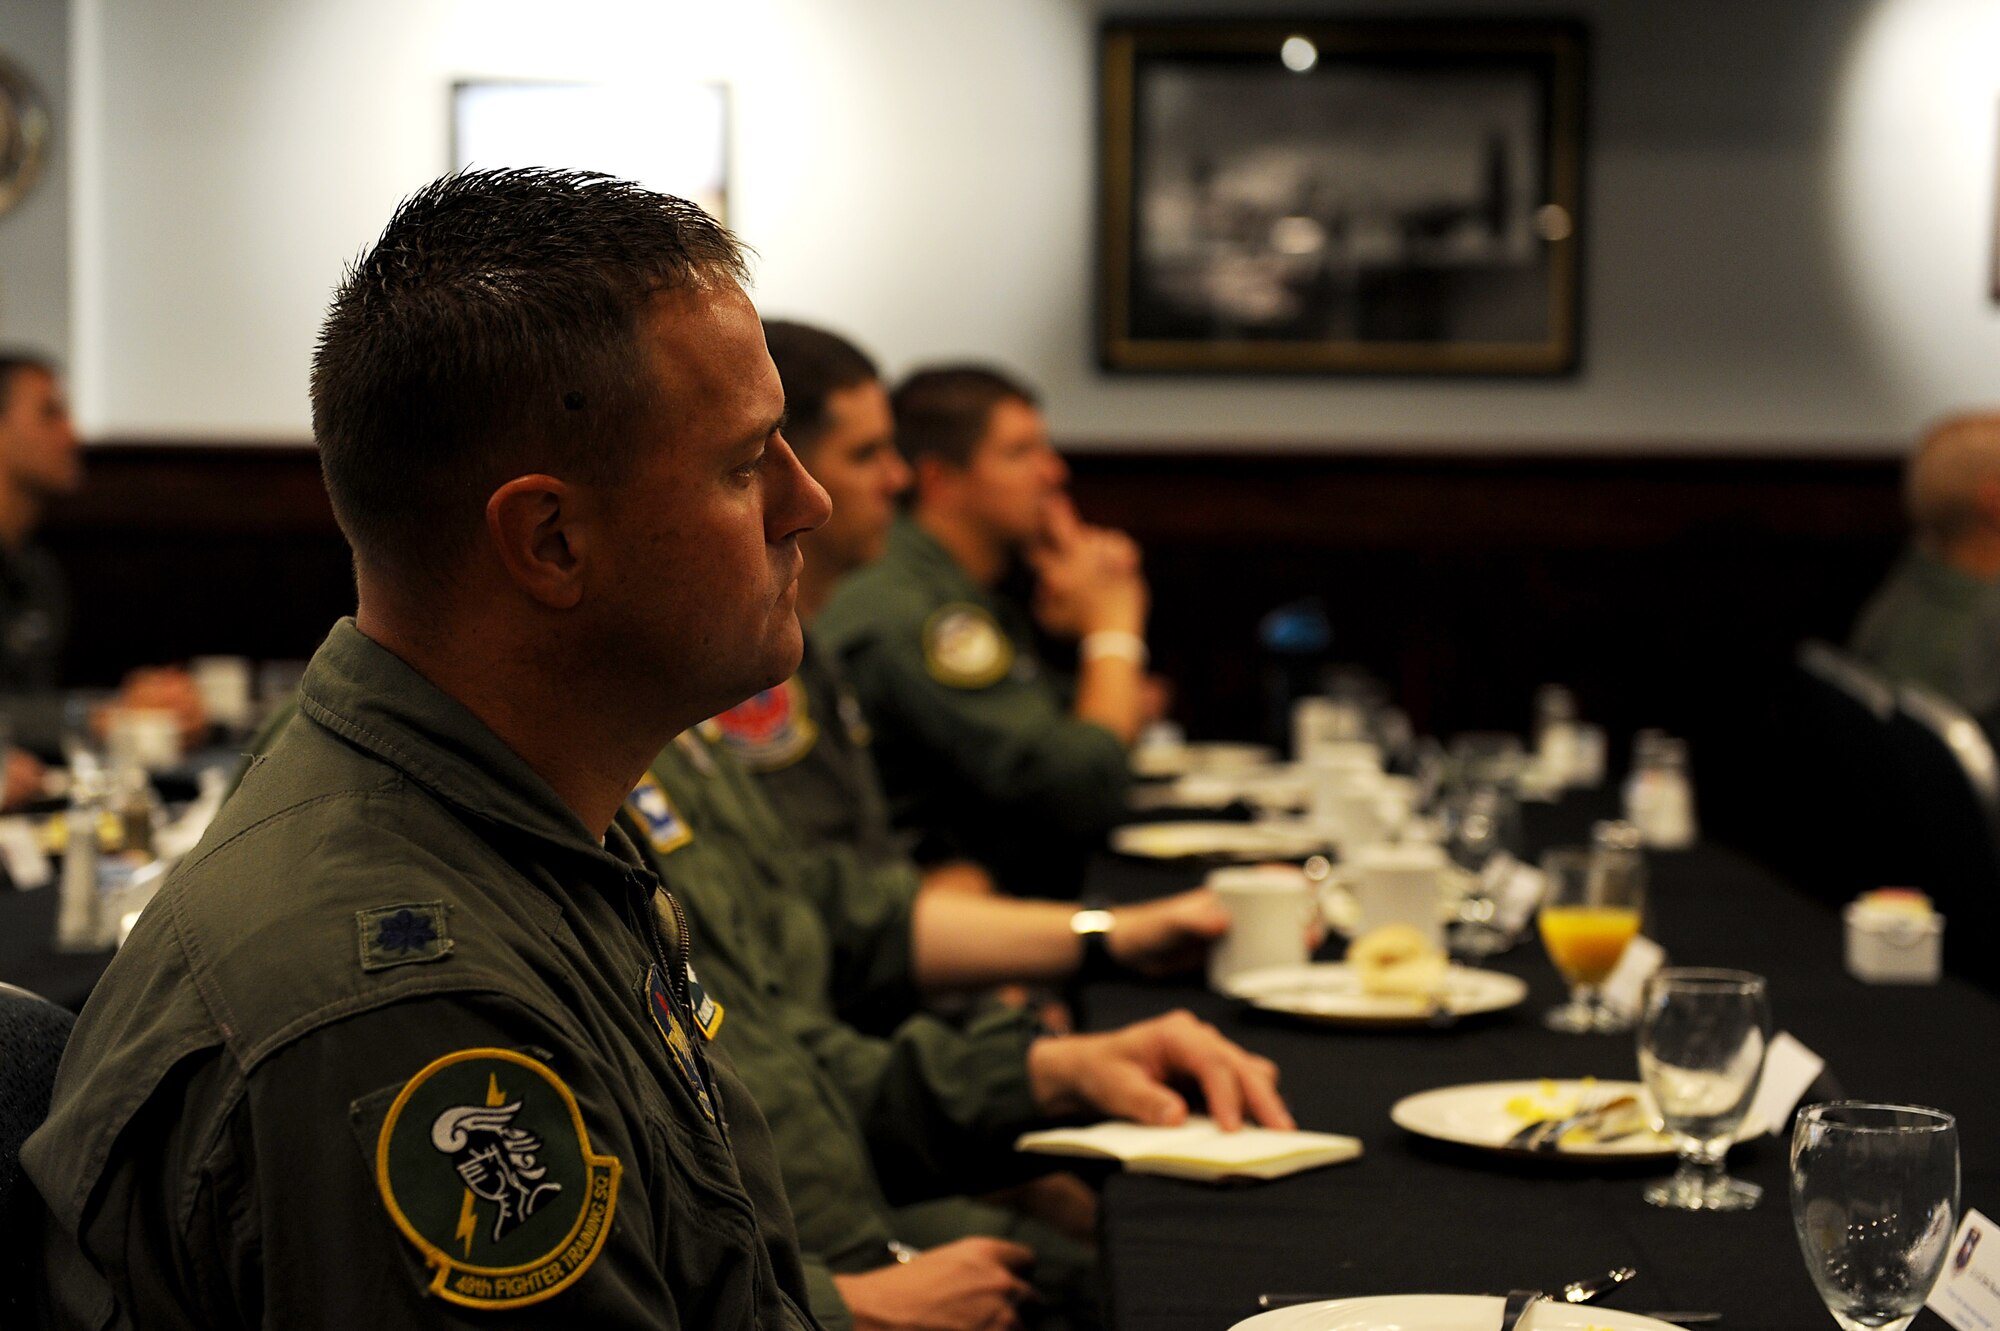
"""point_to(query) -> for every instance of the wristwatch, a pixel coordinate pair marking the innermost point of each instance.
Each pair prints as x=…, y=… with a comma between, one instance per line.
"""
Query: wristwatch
x=1094, y=927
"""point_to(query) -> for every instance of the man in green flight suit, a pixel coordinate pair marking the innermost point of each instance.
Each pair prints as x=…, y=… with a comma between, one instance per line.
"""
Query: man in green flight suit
x=1935, y=620
x=411, y=1037
x=805, y=947
x=983, y=752
x=807, y=740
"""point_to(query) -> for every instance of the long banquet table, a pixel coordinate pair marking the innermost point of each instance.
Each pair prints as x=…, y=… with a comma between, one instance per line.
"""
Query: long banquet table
x=1416, y=1216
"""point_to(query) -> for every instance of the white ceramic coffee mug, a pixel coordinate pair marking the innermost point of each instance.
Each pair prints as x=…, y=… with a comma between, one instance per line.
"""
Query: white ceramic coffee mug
x=1399, y=883
x=1270, y=909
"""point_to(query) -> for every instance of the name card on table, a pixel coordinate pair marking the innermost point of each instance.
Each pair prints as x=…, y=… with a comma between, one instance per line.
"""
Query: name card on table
x=1967, y=1293
x=21, y=851
x=1514, y=888
x=1625, y=988
x=1789, y=1069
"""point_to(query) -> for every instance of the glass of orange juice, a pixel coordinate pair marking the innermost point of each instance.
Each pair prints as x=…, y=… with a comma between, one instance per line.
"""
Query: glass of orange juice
x=1590, y=912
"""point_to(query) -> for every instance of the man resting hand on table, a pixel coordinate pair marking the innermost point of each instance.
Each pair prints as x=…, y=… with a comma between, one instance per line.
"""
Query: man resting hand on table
x=890, y=1121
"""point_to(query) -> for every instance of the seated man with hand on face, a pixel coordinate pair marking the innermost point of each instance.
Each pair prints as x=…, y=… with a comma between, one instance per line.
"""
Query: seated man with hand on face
x=807, y=950
x=985, y=753
x=41, y=461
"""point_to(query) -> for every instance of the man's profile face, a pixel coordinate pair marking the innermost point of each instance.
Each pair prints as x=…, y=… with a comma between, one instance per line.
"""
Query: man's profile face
x=1014, y=473
x=703, y=533
x=855, y=458
x=38, y=447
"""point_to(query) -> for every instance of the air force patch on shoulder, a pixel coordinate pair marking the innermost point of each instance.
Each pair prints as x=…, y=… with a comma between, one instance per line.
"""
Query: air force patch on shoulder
x=774, y=729
x=965, y=649
x=665, y=827
x=485, y=1165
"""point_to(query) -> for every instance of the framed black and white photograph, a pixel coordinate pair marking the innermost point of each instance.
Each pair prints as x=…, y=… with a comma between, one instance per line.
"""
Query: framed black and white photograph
x=1352, y=197
x=666, y=135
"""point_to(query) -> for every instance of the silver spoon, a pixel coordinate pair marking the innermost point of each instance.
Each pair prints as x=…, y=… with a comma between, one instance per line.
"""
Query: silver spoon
x=1583, y=1291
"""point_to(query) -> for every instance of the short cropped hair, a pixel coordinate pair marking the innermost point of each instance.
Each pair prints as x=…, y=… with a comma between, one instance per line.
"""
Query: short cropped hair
x=13, y=362
x=1941, y=485
x=943, y=411
x=494, y=330
x=813, y=365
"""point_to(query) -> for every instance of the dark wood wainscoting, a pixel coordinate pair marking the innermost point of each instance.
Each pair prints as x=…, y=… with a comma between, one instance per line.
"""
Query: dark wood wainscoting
x=1665, y=590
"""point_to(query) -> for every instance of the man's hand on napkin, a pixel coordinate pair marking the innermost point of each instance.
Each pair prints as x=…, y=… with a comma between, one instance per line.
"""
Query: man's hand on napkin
x=1130, y=1073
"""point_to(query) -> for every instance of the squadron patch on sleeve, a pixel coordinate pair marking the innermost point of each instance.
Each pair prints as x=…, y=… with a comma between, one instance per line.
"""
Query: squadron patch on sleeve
x=665, y=827
x=774, y=729
x=400, y=935
x=485, y=1165
x=965, y=649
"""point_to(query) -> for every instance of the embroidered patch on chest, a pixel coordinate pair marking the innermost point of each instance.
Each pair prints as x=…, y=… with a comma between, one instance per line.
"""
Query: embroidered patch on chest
x=484, y=1163
x=402, y=935
x=859, y=734
x=665, y=827
x=771, y=730
x=680, y=1050
x=965, y=649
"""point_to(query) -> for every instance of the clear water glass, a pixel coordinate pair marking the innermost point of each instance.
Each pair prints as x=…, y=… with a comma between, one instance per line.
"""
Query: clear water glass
x=1875, y=1204
x=1701, y=1049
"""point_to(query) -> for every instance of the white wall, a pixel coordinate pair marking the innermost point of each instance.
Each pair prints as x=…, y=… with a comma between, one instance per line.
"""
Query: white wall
x=1790, y=205
x=34, y=237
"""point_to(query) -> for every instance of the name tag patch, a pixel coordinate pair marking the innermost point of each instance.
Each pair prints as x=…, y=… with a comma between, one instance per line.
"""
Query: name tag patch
x=680, y=1050
x=665, y=827
x=485, y=1165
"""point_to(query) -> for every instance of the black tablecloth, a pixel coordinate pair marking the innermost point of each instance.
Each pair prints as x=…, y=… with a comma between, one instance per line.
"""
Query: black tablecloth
x=1415, y=1216
x=28, y=956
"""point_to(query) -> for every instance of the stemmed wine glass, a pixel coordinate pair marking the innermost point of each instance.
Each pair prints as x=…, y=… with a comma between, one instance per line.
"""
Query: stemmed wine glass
x=1701, y=1047
x=1875, y=1203
x=1589, y=914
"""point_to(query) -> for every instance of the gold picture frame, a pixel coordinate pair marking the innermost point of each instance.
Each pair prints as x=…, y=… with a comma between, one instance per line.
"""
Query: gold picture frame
x=1356, y=197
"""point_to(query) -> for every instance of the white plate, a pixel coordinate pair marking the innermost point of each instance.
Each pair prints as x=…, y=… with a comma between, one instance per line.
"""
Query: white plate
x=1214, y=759
x=1442, y=1312
x=1477, y=1115
x=1331, y=991
x=1242, y=841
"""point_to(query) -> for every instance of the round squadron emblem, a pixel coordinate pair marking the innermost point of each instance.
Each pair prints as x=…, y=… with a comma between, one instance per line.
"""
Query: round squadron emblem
x=771, y=730
x=965, y=649
x=484, y=1164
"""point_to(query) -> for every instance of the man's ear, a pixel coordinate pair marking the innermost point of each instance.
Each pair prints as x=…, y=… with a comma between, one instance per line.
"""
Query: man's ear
x=1986, y=498
x=937, y=481
x=532, y=522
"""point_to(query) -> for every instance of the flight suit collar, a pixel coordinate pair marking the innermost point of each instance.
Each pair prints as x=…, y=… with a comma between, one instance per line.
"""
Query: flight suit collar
x=1945, y=583
x=369, y=696
x=916, y=549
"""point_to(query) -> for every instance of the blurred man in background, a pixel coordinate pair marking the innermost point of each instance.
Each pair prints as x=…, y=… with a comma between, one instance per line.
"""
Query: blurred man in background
x=41, y=461
x=1936, y=620
x=984, y=750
